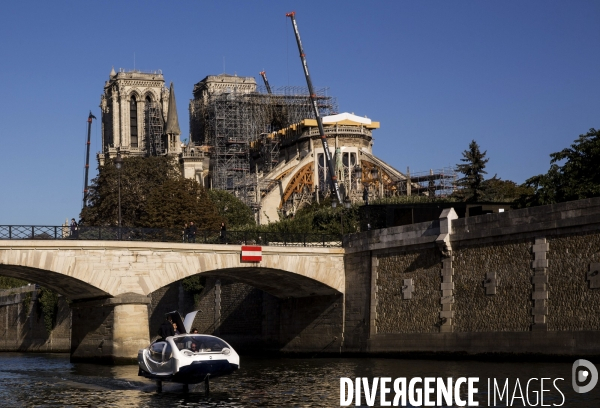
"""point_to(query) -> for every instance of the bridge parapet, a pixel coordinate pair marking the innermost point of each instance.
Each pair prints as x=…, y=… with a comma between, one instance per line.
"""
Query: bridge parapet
x=291, y=239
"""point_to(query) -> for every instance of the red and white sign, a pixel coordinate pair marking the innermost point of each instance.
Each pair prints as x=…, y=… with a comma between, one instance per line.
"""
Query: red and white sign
x=251, y=253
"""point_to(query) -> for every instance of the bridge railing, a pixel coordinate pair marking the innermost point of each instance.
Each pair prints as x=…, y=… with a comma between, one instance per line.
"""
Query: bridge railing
x=22, y=232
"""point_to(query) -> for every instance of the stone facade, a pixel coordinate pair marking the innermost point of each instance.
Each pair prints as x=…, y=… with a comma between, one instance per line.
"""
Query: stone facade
x=125, y=107
x=572, y=304
x=506, y=310
x=395, y=312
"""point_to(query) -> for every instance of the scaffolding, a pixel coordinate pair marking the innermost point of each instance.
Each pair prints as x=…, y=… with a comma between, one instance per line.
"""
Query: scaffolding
x=154, y=129
x=432, y=183
x=229, y=122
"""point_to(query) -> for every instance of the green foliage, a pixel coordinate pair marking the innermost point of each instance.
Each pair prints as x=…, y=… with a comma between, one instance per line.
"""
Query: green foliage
x=48, y=301
x=318, y=218
x=153, y=194
x=503, y=191
x=139, y=177
x=9, y=283
x=178, y=201
x=194, y=285
x=577, y=178
x=470, y=186
x=235, y=213
x=27, y=301
x=413, y=199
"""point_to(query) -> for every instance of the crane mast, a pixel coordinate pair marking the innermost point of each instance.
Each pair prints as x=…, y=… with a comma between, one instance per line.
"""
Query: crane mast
x=313, y=99
x=87, y=159
x=263, y=74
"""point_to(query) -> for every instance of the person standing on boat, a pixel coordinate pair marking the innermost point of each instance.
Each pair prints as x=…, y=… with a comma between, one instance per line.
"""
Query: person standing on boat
x=166, y=329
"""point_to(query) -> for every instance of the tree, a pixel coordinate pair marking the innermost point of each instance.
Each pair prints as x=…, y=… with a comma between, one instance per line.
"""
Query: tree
x=9, y=283
x=318, y=218
x=177, y=202
x=139, y=177
x=577, y=178
x=153, y=194
x=235, y=213
x=497, y=190
x=473, y=168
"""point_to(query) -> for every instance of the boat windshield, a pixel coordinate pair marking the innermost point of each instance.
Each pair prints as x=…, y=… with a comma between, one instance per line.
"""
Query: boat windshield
x=200, y=343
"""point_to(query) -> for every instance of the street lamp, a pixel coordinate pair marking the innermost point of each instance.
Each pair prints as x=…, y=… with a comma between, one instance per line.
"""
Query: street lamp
x=358, y=173
x=118, y=166
x=347, y=204
x=374, y=173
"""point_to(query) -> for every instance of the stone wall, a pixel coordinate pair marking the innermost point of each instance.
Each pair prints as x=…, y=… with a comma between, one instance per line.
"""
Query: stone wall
x=92, y=334
x=572, y=305
x=419, y=314
x=357, y=301
x=254, y=321
x=22, y=326
x=311, y=324
x=241, y=309
x=509, y=309
x=524, y=281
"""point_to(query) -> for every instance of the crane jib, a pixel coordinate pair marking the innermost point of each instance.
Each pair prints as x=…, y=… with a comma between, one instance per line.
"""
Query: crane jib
x=313, y=99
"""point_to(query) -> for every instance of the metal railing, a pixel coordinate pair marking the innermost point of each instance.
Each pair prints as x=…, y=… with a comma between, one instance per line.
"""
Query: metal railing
x=296, y=239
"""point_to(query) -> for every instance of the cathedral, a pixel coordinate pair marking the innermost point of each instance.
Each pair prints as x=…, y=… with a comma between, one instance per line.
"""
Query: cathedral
x=261, y=144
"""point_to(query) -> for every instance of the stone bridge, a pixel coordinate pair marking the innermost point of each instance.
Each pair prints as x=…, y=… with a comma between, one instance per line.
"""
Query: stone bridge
x=116, y=277
x=523, y=281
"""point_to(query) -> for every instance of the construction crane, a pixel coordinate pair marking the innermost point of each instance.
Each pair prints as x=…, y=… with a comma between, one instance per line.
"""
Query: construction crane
x=87, y=159
x=313, y=99
x=263, y=74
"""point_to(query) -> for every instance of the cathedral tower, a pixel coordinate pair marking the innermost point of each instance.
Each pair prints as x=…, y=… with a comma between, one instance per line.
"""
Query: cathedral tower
x=135, y=106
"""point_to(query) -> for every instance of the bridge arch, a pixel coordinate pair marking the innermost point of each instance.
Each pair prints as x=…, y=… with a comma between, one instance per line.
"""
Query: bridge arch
x=92, y=269
x=70, y=287
x=276, y=282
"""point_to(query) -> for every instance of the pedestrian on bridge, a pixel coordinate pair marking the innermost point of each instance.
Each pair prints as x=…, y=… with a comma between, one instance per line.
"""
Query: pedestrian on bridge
x=74, y=229
x=186, y=232
x=192, y=232
x=223, y=233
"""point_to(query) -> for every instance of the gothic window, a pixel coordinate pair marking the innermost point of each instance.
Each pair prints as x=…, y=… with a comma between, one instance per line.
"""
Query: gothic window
x=349, y=161
x=133, y=122
x=322, y=171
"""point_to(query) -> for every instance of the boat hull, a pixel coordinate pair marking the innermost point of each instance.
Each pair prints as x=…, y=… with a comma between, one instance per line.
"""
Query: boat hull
x=187, y=359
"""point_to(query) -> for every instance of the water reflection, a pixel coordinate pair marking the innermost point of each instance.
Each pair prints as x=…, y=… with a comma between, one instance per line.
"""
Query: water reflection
x=46, y=380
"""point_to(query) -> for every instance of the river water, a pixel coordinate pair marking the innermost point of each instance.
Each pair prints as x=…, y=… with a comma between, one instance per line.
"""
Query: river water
x=50, y=380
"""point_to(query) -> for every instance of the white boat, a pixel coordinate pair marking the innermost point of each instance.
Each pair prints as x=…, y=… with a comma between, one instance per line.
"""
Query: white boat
x=187, y=358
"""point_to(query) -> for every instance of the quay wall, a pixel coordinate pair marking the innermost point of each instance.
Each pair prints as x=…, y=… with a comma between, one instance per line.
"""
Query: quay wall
x=524, y=281
x=22, y=326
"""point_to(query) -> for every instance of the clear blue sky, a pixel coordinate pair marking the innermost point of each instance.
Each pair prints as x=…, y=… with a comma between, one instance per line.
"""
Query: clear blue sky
x=522, y=78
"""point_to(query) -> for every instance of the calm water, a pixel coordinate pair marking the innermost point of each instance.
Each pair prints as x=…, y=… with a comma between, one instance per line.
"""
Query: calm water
x=47, y=380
